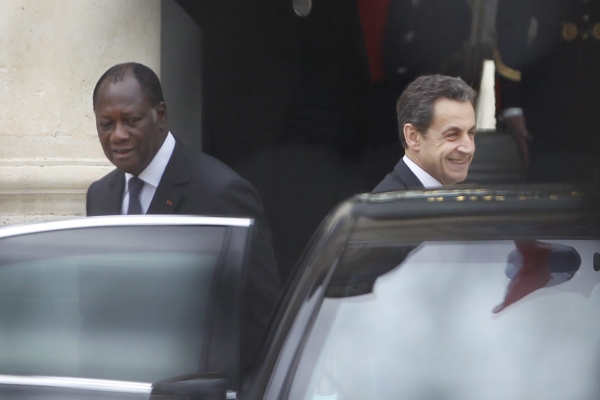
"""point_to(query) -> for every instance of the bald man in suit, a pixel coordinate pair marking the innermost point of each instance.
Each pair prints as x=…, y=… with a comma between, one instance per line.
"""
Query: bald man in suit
x=157, y=174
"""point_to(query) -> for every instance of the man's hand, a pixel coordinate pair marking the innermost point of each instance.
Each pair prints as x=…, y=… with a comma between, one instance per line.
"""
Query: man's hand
x=518, y=129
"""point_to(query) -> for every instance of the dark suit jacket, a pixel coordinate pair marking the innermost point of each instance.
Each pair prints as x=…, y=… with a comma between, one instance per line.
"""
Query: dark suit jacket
x=401, y=178
x=559, y=80
x=197, y=184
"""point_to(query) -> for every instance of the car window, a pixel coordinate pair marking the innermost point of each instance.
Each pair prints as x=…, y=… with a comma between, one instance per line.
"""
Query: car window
x=456, y=320
x=122, y=303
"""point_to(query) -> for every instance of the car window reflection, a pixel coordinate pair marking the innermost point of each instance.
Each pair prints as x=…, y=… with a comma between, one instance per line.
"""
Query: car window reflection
x=534, y=265
x=428, y=329
x=351, y=278
x=91, y=304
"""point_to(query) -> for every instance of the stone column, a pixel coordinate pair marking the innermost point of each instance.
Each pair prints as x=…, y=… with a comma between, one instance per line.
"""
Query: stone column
x=51, y=55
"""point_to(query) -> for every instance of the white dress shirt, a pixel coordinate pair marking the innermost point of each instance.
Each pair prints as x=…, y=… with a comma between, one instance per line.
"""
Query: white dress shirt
x=427, y=180
x=150, y=175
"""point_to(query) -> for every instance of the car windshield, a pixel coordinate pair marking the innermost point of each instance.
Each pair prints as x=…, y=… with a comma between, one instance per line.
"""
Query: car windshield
x=459, y=320
x=119, y=303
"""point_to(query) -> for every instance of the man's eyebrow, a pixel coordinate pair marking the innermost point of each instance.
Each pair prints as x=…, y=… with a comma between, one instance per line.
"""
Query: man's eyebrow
x=130, y=112
x=450, y=128
x=456, y=128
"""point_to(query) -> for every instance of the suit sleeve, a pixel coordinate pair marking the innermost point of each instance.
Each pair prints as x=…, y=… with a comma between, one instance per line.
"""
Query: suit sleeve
x=263, y=284
x=87, y=202
x=89, y=209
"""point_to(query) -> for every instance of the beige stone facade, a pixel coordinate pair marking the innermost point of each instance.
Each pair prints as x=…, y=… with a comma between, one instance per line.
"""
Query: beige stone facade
x=51, y=55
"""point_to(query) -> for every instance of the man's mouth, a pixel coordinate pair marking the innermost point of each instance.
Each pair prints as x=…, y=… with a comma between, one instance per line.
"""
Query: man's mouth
x=122, y=152
x=459, y=161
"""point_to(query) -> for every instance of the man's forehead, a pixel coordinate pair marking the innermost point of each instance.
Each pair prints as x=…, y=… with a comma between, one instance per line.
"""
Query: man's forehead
x=127, y=88
x=126, y=80
x=447, y=110
x=444, y=102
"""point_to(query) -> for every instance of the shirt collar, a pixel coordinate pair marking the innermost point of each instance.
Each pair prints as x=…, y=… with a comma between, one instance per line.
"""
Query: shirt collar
x=427, y=180
x=154, y=171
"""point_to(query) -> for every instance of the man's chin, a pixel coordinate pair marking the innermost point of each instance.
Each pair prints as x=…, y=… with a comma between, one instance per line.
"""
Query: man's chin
x=456, y=174
x=125, y=167
x=454, y=179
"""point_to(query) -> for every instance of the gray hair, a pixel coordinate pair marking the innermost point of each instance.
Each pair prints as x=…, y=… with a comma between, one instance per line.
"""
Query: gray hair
x=415, y=105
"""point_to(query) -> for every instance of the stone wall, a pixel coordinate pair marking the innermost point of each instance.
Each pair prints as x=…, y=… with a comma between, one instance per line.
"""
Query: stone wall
x=51, y=55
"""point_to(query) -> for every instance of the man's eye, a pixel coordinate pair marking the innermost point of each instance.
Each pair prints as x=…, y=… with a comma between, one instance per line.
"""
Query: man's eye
x=105, y=124
x=132, y=119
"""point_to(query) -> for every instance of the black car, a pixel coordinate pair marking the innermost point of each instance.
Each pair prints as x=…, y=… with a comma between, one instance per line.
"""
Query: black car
x=437, y=294
x=106, y=307
x=467, y=293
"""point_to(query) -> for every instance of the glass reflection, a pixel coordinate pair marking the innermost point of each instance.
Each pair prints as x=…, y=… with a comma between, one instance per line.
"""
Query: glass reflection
x=427, y=330
x=535, y=265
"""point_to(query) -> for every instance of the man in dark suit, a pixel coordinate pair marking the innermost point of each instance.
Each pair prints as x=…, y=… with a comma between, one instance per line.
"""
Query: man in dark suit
x=157, y=174
x=436, y=119
x=548, y=86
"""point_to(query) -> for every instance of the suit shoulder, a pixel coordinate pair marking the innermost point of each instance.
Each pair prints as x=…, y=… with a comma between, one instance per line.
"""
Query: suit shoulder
x=104, y=182
x=213, y=172
x=205, y=160
x=390, y=183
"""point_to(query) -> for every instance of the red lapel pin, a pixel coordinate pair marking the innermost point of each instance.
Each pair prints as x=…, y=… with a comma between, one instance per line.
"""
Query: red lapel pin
x=169, y=202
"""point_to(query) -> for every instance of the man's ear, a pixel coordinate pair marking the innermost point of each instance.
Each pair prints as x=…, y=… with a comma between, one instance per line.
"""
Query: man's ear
x=161, y=114
x=411, y=136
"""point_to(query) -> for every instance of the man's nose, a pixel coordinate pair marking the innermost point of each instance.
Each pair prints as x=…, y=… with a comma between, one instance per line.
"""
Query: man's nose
x=467, y=144
x=120, y=133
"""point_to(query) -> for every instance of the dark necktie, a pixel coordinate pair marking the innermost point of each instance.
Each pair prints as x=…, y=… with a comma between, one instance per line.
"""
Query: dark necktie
x=135, y=187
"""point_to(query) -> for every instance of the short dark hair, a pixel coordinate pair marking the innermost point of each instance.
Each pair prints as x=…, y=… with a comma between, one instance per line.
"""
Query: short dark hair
x=415, y=105
x=149, y=82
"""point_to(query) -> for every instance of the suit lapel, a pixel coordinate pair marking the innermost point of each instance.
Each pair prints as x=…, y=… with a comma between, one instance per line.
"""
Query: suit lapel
x=113, y=200
x=173, y=183
x=407, y=176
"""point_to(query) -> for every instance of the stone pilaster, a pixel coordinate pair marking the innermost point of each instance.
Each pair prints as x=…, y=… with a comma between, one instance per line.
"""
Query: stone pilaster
x=51, y=55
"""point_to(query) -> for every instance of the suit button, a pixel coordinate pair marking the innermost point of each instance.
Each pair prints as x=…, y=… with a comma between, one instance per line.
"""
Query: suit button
x=569, y=31
x=596, y=30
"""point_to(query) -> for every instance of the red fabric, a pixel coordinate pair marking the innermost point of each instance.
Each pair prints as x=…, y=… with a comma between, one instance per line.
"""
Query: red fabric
x=533, y=274
x=373, y=16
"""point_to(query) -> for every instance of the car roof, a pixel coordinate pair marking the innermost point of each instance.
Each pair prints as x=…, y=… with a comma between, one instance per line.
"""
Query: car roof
x=474, y=200
x=121, y=220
